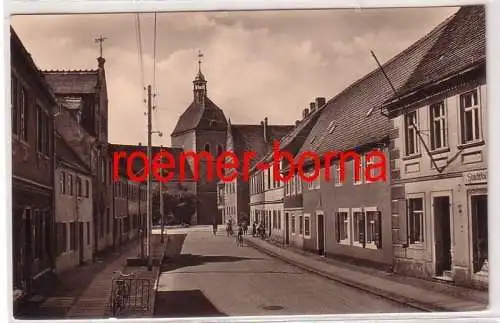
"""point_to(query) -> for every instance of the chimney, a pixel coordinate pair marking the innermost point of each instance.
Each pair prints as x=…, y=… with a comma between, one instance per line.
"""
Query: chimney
x=100, y=62
x=312, y=106
x=305, y=113
x=264, y=124
x=320, y=101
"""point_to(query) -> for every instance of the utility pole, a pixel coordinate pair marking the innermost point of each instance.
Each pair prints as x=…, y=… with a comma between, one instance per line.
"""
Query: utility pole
x=162, y=215
x=149, y=194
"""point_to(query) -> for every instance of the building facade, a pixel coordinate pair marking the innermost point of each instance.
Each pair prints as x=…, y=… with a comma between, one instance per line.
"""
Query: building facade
x=440, y=176
x=33, y=106
x=84, y=94
x=73, y=206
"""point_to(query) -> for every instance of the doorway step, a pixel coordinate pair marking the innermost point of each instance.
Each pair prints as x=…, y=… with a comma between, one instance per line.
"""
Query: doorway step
x=447, y=276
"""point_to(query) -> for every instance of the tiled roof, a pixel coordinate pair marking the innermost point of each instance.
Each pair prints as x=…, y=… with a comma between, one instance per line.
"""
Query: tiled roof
x=207, y=116
x=352, y=118
x=72, y=82
x=461, y=44
x=251, y=138
x=74, y=135
x=66, y=154
x=138, y=165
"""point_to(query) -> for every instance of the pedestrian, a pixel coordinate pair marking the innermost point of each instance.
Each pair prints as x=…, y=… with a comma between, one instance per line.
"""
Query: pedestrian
x=239, y=241
x=214, y=227
x=254, y=229
x=245, y=228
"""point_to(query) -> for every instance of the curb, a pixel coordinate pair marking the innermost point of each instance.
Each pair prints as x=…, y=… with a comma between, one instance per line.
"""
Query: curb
x=422, y=306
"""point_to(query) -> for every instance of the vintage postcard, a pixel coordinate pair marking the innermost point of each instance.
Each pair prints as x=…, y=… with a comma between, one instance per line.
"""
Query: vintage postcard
x=249, y=163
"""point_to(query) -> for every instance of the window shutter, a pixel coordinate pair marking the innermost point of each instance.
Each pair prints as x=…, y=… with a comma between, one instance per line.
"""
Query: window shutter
x=410, y=237
x=378, y=226
x=362, y=228
x=403, y=222
x=337, y=227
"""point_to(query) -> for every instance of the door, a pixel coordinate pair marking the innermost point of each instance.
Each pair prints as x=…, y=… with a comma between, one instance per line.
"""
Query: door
x=287, y=228
x=479, y=213
x=442, y=234
x=80, y=243
x=320, y=233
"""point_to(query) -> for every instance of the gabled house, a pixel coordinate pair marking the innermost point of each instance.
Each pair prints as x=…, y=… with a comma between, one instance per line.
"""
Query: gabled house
x=245, y=139
x=351, y=218
x=439, y=157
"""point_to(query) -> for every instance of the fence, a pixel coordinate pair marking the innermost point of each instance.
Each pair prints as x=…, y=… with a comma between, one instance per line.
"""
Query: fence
x=131, y=297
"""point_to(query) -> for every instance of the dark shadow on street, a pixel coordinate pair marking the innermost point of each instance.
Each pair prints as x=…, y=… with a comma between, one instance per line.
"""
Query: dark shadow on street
x=189, y=260
x=185, y=303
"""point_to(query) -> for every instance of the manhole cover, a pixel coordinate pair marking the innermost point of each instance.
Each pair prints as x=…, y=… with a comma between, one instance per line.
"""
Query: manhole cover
x=273, y=307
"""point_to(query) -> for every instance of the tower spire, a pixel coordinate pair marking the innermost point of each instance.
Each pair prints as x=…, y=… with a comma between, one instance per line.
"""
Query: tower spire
x=199, y=83
x=200, y=56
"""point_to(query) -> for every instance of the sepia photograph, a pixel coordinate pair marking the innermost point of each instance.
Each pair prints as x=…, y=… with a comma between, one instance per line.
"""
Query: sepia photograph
x=249, y=163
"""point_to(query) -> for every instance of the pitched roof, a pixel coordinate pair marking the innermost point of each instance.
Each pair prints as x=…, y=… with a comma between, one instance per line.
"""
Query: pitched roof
x=354, y=113
x=461, y=44
x=251, y=138
x=74, y=135
x=207, y=116
x=68, y=156
x=138, y=163
x=73, y=82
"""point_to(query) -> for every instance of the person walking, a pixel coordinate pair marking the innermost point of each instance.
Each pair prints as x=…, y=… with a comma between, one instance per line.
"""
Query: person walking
x=254, y=229
x=239, y=241
x=214, y=228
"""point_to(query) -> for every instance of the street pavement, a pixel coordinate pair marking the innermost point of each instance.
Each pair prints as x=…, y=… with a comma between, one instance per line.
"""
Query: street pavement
x=212, y=276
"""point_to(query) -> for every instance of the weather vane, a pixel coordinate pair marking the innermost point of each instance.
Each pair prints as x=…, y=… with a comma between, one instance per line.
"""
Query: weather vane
x=100, y=40
x=200, y=56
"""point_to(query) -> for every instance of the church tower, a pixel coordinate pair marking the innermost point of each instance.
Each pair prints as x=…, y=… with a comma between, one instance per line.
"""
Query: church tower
x=202, y=127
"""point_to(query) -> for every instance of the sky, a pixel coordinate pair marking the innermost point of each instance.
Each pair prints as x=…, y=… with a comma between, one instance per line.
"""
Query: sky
x=257, y=63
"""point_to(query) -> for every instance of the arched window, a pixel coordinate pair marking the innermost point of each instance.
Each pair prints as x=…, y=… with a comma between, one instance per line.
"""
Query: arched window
x=219, y=150
x=207, y=148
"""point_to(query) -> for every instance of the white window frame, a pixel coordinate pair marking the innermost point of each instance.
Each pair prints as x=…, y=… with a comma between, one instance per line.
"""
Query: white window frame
x=336, y=177
x=373, y=244
x=443, y=122
x=361, y=171
x=462, y=110
x=422, y=219
x=406, y=137
x=308, y=216
x=349, y=235
x=354, y=222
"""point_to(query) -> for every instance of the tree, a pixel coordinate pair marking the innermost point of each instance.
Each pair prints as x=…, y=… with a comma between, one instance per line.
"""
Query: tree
x=186, y=207
x=182, y=205
x=170, y=201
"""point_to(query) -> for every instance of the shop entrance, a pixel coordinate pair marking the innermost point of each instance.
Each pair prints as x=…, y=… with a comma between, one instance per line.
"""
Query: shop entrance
x=479, y=214
x=442, y=236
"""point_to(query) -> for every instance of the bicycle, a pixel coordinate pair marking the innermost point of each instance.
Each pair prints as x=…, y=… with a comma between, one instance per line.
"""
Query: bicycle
x=120, y=295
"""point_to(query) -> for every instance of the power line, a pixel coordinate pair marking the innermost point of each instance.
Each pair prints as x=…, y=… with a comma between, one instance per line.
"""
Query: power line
x=139, y=48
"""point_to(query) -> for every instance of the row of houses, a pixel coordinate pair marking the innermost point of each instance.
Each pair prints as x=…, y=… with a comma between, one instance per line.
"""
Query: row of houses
x=67, y=209
x=426, y=111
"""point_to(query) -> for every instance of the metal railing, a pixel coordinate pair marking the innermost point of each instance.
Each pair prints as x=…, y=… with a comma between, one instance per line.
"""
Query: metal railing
x=130, y=296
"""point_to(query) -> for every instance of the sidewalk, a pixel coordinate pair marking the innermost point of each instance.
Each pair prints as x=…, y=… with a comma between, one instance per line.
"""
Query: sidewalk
x=420, y=294
x=82, y=292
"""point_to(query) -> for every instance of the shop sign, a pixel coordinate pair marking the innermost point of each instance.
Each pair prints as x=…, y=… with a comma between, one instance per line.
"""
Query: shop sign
x=476, y=177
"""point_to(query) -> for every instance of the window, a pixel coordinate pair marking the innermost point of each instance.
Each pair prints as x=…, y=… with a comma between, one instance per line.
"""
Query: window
x=337, y=175
x=88, y=233
x=23, y=105
x=299, y=184
x=416, y=220
x=207, y=148
x=438, y=126
x=279, y=219
x=62, y=182
x=62, y=238
x=79, y=189
x=72, y=236
x=70, y=184
x=470, y=117
x=15, y=104
x=361, y=170
x=315, y=184
x=373, y=228
x=301, y=225
x=275, y=220
x=307, y=225
x=343, y=233
x=292, y=224
x=358, y=227
x=411, y=137
x=87, y=188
